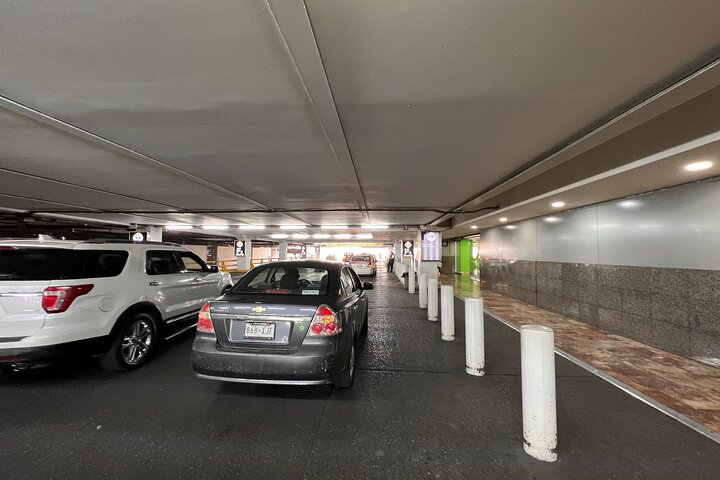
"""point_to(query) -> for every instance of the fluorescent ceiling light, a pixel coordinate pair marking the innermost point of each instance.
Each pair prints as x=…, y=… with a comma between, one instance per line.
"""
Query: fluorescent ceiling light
x=551, y=219
x=300, y=236
x=376, y=227
x=511, y=227
x=364, y=236
x=343, y=236
x=251, y=227
x=215, y=227
x=629, y=204
x=293, y=227
x=279, y=235
x=503, y=219
x=474, y=227
x=178, y=227
x=322, y=235
x=557, y=204
x=698, y=166
x=334, y=227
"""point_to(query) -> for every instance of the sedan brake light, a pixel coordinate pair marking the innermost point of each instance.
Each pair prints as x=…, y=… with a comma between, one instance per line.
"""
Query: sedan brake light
x=59, y=299
x=205, y=322
x=325, y=323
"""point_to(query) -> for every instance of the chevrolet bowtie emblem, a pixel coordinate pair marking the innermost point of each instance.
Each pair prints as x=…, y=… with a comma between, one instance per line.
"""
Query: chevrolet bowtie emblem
x=258, y=309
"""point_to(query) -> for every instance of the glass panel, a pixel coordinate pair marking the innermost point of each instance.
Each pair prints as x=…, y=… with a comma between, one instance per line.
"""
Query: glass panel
x=161, y=263
x=60, y=263
x=284, y=281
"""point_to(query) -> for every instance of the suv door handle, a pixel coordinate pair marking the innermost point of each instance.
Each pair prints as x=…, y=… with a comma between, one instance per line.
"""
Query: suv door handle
x=154, y=283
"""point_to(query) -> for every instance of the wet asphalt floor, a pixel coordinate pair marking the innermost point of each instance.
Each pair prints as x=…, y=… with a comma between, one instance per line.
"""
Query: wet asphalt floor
x=413, y=413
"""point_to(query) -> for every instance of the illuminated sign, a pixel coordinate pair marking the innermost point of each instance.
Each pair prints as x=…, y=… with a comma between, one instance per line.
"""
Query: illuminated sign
x=240, y=248
x=431, y=248
x=407, y=248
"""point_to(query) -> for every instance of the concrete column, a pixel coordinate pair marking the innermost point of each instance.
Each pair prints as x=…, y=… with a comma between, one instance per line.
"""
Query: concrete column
x=282, y=251
x=537, y=354
x=432, y=299
x=411, y=280
x=447, y=313
x=155, y=234
x=474, y=337
x=243, y=263
x=422, y=296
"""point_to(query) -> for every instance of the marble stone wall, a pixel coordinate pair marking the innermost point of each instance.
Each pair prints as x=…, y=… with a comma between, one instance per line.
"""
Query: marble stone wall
x=677, y=310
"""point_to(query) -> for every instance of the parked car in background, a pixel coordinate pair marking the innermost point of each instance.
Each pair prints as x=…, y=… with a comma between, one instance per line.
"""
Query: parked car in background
x=292, y=323
x=113, y=299
x=364, y=264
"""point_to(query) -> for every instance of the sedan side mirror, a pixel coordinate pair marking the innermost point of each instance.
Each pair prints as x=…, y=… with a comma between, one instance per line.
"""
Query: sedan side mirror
x=368, y=286
x=214, y=268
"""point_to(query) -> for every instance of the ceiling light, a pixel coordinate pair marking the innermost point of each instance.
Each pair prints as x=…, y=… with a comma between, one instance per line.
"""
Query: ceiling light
x=364, y=236
x=322, y=235
x=503, y=219
x=551, y=219
x=342, y=236
x=474, y=227
x=279, y=235
x=251, y=227
x=376, y=227
x=557, y=204
x=178, y=227
x=511, y=227
x=698, y=166
x=300, y=236
x=629, y=204
x=293, y=227
x=215, y=227
x=334, y=227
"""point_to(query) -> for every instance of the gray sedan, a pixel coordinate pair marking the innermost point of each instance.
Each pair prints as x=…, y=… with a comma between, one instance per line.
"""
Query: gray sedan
x=290, y=323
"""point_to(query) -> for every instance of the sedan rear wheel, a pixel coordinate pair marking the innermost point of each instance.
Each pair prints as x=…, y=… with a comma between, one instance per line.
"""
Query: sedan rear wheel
x=347, y=377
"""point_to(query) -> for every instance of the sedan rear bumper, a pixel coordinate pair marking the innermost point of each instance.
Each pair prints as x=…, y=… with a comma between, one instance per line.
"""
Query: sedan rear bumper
x=315, y=362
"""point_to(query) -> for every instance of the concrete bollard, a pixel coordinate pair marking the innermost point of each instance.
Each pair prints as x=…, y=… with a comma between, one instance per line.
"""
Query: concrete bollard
x=537, y=352
x=447, y=313
x=411, y=280
x=432, y=293
x=422, y=295
x=474, y=337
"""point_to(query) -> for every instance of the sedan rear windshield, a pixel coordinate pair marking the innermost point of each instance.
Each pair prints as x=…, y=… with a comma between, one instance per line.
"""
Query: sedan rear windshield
x=59, y=263
x=362, y=258
x=287, y=280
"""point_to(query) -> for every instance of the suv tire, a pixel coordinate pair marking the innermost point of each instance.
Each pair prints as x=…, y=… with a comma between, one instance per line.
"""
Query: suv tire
x=133, y=345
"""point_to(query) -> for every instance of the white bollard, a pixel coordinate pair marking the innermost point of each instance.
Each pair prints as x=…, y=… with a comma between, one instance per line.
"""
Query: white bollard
x=432, y=289
x=447, y=313
x=411, y=280
x=474, y=337
x=422, y=296
x=537, y=355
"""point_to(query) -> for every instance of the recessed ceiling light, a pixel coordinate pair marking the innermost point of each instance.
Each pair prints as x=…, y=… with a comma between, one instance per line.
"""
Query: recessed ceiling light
x=343, y=236
x=511, y=227
x=698, y=166
x=300, y=236
x=364, y=236
x=178, y=227
x=551, y=219
x=215, y=227
x=251, y=227
x=293, y=227
x=503, y=219
x=322, y=235
x=557, y=204
x=376, y=227
x=279, y=235
x=334, y=227
x=474, y=227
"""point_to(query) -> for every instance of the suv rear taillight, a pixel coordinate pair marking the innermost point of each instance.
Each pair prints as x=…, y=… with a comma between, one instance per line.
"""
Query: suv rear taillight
x=205, y=323
x=59, y=299
x=325, y=323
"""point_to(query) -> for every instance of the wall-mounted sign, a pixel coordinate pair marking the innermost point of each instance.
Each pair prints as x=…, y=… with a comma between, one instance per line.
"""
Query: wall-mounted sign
x=137, y=236
x=240, y=248
x=431, y=247
x=407, y=248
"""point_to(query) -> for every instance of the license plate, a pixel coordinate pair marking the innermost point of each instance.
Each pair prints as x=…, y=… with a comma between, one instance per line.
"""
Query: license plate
x=260, y=330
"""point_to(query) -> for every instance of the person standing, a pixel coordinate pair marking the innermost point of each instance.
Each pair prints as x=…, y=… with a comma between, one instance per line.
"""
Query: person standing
x=391, y=263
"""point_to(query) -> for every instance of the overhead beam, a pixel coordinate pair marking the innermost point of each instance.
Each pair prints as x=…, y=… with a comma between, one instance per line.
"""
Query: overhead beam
x=295, y=28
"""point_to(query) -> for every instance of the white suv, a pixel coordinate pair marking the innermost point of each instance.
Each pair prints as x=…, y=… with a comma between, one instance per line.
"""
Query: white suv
x=115, y=299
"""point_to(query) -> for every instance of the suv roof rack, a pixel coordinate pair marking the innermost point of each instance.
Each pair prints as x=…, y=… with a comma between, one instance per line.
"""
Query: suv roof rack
x=117, y=240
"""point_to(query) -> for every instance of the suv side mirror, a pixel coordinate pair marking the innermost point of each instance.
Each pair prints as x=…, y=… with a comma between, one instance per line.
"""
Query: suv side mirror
x=214, y=268
x=368, y=286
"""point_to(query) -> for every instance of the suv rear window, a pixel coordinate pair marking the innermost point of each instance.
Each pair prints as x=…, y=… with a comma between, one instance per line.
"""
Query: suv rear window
x=287, y=280
x=60, y=263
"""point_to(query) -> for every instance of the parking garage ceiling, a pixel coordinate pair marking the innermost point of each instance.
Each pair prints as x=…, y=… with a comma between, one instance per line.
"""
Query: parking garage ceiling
x=331, y=112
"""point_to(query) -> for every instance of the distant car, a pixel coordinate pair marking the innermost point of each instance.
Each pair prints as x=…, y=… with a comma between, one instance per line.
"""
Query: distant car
x=364, y=264
x=290, y=323
x=331, y=258
x=113, y=299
